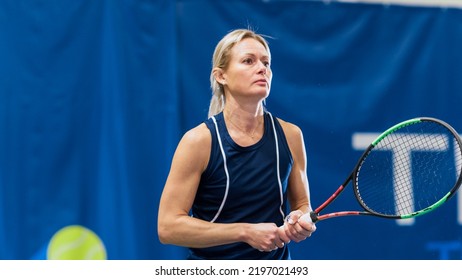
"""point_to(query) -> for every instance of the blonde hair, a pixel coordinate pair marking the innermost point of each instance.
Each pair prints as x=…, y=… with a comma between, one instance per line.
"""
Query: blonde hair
x=221, y=58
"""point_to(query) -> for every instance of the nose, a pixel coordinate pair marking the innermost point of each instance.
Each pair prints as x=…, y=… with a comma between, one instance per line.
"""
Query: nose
x=263, y=68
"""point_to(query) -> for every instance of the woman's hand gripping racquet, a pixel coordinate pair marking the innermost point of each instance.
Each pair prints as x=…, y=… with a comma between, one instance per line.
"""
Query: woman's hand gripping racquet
x=411, y=169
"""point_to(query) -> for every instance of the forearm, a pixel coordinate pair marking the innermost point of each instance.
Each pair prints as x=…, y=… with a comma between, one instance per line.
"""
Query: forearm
x=195, y=233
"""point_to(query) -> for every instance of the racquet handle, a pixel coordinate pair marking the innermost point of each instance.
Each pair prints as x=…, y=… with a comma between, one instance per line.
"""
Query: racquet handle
x=311, y=217
x=307, y=217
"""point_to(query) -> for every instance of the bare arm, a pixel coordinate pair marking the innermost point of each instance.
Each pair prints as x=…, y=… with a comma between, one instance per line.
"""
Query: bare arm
x=175, y=226
x=298, y=190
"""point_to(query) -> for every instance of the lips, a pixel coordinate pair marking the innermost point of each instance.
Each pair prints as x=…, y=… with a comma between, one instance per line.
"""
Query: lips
x=261, y=81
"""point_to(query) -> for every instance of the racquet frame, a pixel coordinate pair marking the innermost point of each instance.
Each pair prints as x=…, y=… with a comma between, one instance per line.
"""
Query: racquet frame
x=315, y=215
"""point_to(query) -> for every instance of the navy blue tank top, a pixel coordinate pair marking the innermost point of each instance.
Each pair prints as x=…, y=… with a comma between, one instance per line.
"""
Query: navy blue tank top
x=244, y=185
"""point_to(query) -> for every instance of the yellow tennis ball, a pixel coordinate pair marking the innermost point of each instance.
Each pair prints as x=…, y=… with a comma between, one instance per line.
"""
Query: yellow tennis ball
x=76, y=243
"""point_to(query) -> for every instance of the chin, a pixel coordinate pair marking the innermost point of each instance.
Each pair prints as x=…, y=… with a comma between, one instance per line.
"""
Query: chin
x=262, y=95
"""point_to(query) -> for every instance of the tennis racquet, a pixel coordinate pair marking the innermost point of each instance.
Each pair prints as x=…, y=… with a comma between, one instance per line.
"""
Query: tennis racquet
x=409, y=170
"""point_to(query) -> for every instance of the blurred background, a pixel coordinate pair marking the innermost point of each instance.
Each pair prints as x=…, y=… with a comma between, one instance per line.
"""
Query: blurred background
x=95, y=95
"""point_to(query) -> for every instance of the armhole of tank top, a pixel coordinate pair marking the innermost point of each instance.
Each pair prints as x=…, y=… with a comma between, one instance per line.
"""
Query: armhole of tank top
x=284, y=143
x=281, y=195
x=225, y=166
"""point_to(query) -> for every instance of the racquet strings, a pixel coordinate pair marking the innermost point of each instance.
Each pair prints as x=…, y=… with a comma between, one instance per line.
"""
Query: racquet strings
x=409, y=170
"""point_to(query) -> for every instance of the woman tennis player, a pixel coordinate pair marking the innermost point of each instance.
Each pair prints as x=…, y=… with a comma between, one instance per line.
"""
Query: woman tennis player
x=237, y=176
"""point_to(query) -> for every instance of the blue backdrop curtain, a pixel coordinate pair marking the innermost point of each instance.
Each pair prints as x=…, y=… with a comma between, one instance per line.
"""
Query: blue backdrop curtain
x=95, y=95
x=89, y=115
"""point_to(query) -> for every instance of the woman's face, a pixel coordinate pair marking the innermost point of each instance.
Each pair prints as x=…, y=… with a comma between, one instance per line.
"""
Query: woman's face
x=248, y=73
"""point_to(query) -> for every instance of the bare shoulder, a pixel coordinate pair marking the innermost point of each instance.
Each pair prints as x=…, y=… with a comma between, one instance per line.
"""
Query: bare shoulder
x=294, y=136
x=194, y=148
x=290, y=130
x=197, y=136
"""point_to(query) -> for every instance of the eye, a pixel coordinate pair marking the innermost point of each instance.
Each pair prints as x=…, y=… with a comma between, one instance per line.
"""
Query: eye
x=266, y=63
x=248, y=60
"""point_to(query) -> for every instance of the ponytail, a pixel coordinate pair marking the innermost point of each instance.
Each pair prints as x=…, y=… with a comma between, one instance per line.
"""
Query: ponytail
x=217, y=103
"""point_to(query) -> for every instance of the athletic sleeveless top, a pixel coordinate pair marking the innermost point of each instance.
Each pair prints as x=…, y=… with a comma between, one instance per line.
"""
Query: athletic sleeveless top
x=244, y=184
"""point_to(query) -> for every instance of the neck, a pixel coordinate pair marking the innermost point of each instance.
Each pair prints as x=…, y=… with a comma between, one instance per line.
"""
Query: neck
x=246, y=123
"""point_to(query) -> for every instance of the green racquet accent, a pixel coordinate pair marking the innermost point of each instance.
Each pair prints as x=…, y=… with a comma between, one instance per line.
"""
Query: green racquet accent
x=429, y=208
x=393, y=129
